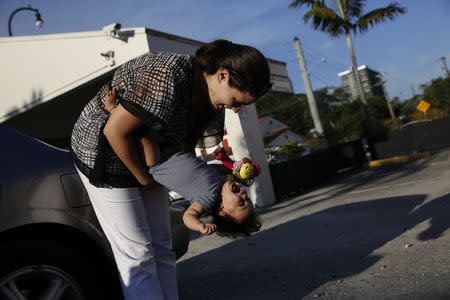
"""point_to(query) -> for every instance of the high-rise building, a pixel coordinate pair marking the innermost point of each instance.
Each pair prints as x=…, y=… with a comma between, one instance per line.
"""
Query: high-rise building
x=370, y=80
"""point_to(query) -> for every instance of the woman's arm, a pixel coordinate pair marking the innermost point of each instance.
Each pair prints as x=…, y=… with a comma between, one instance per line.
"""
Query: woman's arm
x=119, y=130
x=148, y=149
x=191, y=219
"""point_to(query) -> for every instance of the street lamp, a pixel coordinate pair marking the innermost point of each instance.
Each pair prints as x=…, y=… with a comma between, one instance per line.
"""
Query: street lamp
x=38, y=21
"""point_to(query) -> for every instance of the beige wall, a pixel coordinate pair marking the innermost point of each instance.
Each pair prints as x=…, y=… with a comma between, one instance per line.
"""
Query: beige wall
x=39, y=68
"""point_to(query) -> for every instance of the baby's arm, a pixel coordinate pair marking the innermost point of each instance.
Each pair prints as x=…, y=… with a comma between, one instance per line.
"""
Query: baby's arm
x=149, y=150
x=110, y=100
x=191, y=219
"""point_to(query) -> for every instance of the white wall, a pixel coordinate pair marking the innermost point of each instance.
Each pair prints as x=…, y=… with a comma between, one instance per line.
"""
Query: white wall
x=286, y=136
x=269, y=123
x=36, y=69
x=39, y=68
x=245, y=139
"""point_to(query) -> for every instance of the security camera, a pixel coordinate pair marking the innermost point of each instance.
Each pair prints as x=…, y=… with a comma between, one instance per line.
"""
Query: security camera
x=112, y=30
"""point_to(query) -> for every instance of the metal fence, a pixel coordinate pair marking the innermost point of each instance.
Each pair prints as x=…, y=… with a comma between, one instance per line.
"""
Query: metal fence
x=422, y=136
x=305, y=172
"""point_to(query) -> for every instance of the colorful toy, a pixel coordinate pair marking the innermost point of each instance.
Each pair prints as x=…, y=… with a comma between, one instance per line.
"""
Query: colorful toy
x=244, y=171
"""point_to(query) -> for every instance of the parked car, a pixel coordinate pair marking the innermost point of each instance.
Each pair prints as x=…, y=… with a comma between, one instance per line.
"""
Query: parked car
x=51, y=244
x=174, y=196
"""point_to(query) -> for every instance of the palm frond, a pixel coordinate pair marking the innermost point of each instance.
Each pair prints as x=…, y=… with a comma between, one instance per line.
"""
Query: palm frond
x=326, y=20
x=377, y=16
x=354, y=8
x=351, y=9
x=308, y=3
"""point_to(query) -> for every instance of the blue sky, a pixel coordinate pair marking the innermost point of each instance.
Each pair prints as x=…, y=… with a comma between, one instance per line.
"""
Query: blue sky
x=408, y=49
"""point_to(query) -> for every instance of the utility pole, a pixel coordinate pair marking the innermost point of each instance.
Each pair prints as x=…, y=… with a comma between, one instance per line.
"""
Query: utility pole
x=444, y=62
x=413, y=91
x=388, y=100
x=308, y=88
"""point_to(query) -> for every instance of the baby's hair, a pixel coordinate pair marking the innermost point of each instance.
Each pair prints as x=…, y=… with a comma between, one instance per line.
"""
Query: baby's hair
x=229, y=228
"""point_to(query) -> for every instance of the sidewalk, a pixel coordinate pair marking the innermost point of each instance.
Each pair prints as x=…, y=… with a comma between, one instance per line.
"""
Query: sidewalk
x=375, y=234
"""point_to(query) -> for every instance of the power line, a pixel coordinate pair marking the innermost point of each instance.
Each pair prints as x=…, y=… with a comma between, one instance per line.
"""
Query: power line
x=321, y=80
x=318, y=59
x=328, y=58
x=318, y=56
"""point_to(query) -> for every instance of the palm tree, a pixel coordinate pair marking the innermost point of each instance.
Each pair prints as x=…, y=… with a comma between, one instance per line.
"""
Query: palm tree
x=346, y=18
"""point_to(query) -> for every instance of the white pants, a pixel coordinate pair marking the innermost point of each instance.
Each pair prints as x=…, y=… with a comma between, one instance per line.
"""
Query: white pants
x=137, y=225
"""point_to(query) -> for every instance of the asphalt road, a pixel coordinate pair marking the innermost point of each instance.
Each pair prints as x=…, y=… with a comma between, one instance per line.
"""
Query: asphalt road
x=373, y=234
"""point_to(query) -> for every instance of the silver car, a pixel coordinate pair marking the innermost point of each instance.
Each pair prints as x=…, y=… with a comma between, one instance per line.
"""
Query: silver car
x=51, y=245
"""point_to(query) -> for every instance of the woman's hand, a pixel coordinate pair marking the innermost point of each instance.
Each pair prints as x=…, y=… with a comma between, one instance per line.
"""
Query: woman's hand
x=147, y=182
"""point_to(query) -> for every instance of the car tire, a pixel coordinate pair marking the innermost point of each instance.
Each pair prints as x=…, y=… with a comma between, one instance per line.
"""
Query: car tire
x=47, y=269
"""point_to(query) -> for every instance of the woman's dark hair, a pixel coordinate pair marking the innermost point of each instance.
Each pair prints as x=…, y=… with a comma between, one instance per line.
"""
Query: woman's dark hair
x=226, y=226
x=248, y=68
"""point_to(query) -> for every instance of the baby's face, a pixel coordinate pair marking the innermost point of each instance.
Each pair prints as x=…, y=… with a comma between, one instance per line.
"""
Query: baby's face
x=235, y=203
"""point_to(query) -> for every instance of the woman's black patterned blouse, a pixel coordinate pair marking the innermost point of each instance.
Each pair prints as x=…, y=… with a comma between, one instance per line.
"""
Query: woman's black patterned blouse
x=154, y=87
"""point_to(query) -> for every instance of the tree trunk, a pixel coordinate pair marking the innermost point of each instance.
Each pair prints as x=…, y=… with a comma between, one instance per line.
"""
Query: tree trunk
x=355, y=68
x=353, y=58
x=388, y=101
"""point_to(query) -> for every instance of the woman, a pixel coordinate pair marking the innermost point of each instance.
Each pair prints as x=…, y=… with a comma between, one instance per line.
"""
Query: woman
x=177, y=100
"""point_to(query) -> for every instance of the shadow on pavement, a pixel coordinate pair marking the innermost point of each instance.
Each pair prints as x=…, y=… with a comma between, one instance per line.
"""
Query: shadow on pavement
x=292, y=259
x=349, y=182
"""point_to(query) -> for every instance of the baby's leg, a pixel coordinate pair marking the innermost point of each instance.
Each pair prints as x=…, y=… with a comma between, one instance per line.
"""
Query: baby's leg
x=148, y=150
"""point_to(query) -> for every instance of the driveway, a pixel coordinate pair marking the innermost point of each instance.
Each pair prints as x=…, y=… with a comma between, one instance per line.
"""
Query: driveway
x=373, y=234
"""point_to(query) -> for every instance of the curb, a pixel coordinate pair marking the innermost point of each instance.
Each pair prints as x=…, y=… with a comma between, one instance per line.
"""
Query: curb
x=398, y=159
